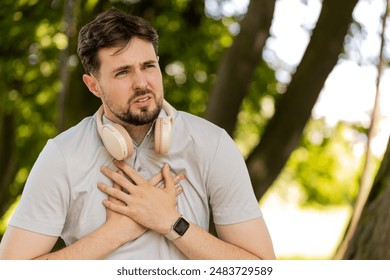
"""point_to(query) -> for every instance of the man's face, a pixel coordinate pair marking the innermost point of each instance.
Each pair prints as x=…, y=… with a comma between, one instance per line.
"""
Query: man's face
x=130, y=83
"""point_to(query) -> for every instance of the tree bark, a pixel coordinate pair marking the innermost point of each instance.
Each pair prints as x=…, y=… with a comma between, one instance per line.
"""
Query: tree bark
x=8, y=163
x=372, y=235
x=70, y=32
x=293, y=110
x=238, y=64
x=369, y=164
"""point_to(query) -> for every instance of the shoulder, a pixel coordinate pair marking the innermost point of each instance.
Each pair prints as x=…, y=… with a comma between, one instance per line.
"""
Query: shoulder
x=81, y=136
x=203, y=129
x=201, y=138
x=82, y=129
x=197, y=125
x=68, y=148
x=80, y=144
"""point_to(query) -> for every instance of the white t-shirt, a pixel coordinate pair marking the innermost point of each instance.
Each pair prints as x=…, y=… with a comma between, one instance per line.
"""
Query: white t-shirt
x=61, y=196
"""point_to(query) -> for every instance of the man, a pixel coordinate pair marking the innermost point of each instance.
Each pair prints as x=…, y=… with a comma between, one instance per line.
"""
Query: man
x=171, y=169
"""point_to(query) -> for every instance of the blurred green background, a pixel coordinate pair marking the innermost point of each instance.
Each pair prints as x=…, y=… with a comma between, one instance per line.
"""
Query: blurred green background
x=42, y=94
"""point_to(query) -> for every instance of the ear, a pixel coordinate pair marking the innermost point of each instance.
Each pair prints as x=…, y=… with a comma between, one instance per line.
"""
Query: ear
x=92, y=84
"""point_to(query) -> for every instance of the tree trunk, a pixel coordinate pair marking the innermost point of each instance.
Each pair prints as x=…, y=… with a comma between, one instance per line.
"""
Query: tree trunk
x=371, y=240
x=238, y=64
x=8, y=164
x=369, y=164
x=70, y=32
x=293, y=110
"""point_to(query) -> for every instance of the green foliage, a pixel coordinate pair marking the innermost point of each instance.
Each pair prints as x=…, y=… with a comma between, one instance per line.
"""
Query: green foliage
x=7, y=216
x=28, y=66
x=191, y=44
x=326, y=167
x=257, y=108
x=324, y=170
x=189, y=53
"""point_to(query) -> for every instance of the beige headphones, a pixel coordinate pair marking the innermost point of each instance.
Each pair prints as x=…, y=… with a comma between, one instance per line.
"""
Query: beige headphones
x=119, y=143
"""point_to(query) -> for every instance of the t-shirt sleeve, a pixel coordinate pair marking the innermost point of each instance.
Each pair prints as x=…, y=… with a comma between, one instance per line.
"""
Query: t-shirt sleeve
x=232, y=198
x=45, y=198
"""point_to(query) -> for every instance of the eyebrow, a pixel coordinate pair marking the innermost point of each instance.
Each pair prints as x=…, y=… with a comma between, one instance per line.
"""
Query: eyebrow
x=127, y=67
x=121, y=68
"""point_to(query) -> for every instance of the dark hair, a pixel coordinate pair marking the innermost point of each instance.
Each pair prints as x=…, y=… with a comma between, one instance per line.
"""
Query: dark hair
x=111, y=28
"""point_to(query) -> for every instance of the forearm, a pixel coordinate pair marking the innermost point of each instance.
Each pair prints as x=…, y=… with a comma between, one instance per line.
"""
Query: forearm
x=155, y=209
x=93, y=246
x=197, y=243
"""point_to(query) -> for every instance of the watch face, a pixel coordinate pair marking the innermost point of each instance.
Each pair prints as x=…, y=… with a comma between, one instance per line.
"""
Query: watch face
x=181, y=226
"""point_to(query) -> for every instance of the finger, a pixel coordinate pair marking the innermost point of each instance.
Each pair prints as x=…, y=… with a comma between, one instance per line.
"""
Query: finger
x=114, y=193
x=178, y=190
x=130, y=172
x=118, y=208
x=169, y=182
x=161, y=184
x=178, y=178
x=116, y=186
x=118, y=178
x=156, y=179
x=115, y=200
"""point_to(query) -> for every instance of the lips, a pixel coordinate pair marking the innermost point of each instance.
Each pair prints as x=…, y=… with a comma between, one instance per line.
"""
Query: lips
x=143, y=100
x=142, y=97
x=146, y=98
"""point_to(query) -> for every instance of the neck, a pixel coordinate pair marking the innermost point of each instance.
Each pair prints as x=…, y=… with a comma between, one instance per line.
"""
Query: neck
x=137, y=133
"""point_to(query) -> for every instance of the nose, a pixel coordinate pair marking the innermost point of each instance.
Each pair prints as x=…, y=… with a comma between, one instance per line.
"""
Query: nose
x=139, y=80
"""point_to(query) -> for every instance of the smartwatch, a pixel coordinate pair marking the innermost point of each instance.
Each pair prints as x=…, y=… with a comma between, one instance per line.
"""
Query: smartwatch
x=178, y=229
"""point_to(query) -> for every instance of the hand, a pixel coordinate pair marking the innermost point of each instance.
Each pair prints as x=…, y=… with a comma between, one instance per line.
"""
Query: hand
x=122, y=227
x=150, y=206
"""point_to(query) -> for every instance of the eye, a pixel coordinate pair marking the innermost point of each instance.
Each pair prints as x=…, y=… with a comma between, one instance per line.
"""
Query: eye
x=150, y=66
x=121, y=73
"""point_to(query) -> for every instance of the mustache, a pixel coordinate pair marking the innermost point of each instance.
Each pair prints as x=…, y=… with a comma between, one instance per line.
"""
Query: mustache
x=142, y=91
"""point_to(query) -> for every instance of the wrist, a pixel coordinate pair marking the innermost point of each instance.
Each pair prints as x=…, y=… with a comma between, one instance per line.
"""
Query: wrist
x=112, y=240
x=169, y=221
x=178, y=229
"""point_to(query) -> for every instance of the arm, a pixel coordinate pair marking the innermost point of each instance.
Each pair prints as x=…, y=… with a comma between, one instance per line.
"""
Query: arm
x=20, y=244
x=118, y=229
x=99, y=243
x=247, y=240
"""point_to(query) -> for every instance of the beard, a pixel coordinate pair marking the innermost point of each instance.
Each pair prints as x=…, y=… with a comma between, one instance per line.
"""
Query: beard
x=143, y=116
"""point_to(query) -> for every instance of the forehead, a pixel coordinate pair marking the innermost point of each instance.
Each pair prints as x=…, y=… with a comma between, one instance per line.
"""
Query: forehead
x=137, y=51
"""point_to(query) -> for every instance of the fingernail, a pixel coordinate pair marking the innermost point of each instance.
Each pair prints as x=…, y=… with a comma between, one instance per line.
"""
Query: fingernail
x=179, y=177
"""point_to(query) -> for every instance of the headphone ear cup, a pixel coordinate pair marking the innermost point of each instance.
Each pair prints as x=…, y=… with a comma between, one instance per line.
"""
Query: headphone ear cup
x=163, y=135
x=117, y=141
